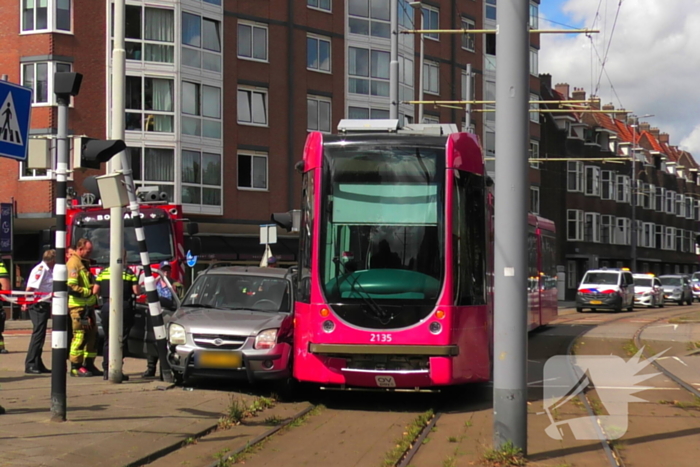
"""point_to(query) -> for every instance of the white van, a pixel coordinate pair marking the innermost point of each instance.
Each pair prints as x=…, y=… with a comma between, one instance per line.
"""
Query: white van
x=606, y=289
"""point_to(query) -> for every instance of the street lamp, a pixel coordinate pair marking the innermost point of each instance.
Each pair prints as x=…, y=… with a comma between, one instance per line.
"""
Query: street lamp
x=633, y=150
x=418, y=7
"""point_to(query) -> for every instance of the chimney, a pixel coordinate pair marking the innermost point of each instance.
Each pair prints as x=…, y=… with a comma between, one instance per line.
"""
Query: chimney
x=623, y=117
x=546, y=80
x=595, y=104
x=578, y=95
x=563, y=89
x=655, y=132
x=644, y=126
x=664, y=138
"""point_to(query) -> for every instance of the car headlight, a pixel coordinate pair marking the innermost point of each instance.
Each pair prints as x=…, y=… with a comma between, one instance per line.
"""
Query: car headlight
x=176, y=334
x=266, y=339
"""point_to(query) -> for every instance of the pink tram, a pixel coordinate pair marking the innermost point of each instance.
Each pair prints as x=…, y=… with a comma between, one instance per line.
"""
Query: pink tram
x=394, y=279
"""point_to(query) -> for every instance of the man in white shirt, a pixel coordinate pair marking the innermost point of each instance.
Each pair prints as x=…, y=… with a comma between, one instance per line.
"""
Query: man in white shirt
x=40, y=280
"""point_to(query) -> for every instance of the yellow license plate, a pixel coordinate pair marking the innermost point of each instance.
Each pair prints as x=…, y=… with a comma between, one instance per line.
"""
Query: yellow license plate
x=596, y=302
x=218, y=360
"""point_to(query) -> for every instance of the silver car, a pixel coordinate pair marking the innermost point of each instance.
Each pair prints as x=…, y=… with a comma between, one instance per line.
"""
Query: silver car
x=677, y=288
x=235, y=322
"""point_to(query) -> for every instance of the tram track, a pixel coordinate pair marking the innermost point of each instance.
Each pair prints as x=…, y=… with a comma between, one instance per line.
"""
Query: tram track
x=612, y=452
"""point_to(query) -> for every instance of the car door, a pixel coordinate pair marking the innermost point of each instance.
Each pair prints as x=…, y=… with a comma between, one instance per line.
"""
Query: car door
x=629, y=282
x=657, y=291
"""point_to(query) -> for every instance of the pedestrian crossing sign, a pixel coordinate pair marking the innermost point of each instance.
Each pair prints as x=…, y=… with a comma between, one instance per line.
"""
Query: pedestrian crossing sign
x=15, y=114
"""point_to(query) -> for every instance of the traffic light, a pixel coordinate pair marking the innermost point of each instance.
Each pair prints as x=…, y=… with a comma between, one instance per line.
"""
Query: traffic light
x=94, y=152
x=289, y=220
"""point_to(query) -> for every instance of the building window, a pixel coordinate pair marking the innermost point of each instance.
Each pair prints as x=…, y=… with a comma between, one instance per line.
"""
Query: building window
x=252, y=107
x=39, y=76
x=468, y=40
x=149, y=34
x=660, y=196
x=623, y=189
x=574, y=181
x=608, y=184
x=366, y=19
x=592, y=227
x=697, y=209
x=535, y=199
x=431, y=77
x=534, y=16
x=659, y=237
x=679, y=240
x=149, y=104
x=491, y=9
x=318, y=53
x=201, y=42
x=571, y=279
x=669, y=239
x=678, y=204
x=154, y=166
x=623, y=234
x=607, y=229
x=670, y=197
x=648, y=235
x=592, y=181
x=689, y=207
x=369, y=71
x=252, y=171
x=363, y=113
x=323, y=5
x=650, y=198
x=534, y=108
x=534, y=67
x=201, y=178
x=318, y=114
x=201, y=109
x=574, y=230
x=534, y=154
x=490, y=95
x=46, y=15
x=431, y=20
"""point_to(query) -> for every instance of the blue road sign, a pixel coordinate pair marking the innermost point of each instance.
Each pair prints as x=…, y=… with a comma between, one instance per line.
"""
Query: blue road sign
x=191, y=260
x=15, y=114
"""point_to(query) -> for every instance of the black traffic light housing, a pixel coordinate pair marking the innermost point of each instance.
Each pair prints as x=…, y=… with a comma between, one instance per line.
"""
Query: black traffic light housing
x=94, y=152
x=289, y=220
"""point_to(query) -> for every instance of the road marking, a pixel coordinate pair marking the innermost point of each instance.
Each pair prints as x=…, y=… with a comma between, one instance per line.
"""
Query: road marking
x=675, y=326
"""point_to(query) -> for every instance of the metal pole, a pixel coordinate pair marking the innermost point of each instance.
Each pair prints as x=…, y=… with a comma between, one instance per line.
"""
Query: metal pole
x=469, y=91
x=116, y=221
x=633, y=201
x=59, y=303
x=511, y=206
x=394, y=63
x=418, y=8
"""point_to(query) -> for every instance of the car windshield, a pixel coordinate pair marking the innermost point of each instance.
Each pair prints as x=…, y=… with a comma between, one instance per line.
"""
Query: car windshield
x=239, y=292
x=696, y=277
x=602, y=278
x=670, y=280
x=643, y=281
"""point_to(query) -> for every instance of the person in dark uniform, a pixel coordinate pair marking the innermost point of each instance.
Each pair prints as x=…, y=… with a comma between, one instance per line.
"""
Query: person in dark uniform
x=40, y=280
x=4, y=285
x=130, y=288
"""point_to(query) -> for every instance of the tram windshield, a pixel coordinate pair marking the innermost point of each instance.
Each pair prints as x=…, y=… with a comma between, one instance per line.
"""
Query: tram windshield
x=381, y=261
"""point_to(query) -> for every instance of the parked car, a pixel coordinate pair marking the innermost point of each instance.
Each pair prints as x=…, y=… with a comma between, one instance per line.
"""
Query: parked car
x=606, y=289
x=648, y=290
x=677, y=288
x=695, y=285
x=235, y=322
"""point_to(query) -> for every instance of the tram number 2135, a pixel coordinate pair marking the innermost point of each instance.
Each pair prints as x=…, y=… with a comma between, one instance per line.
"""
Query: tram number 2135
x=373, y=337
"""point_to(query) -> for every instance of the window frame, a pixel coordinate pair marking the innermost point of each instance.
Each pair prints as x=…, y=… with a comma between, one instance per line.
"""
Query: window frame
x=535, y=200
x=50, y=172
x=142, y=167
x=51, y=70
x=427, y=22
x=575, y=216
x=51, y=19
x=319, y=8
x=200, y=115
x=607, y=179
x=318, y=39
x=252, y=155
x=319, y=100
x=534, y=116
x=534, y=62
x=534, y=153
x=427, y=66
x=201, y=185
x=468, y=39
x=372, y=75
x=595, y=221
x=574, y=168
x=143, y=111
x=201, y=49
x=253, y=25
x=142, y=32
x=534, y=16
x=592, y=180
x=251, y=91
x=608, y=224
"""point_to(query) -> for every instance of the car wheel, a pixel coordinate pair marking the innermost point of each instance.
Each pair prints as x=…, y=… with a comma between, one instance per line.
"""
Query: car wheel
x=618, y=309
x=579, y=310
x=680, y=302
x=179, y=378
x=287, y=389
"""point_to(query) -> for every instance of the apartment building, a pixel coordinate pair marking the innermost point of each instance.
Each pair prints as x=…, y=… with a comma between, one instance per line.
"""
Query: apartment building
x=599, y=199
x=221, y=94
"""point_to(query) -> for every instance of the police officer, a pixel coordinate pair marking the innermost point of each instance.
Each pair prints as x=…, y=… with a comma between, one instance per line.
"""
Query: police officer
x=81, y=306
x=40, y=280
x=130, y=288
x=4, y=285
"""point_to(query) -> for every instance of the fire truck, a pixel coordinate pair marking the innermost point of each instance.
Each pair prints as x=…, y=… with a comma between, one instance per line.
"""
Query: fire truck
x=164, y=227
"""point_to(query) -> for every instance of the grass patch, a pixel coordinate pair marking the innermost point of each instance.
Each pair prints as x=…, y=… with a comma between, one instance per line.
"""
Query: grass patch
x=630, y=348
x=190, y=440
x=689, y=318
x=596, y=406
x=406, y=441
x=683, y=405
x=273, y=421
x=237, y=411
x=507, y=454
x=449, y=462
x=452, y=439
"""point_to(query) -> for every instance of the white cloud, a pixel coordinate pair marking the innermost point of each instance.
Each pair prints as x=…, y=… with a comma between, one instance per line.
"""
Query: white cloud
x=653, y=60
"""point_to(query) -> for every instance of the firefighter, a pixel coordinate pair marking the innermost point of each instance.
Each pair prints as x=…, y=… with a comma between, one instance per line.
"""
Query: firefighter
x=82, y=299
x=130, y=287
x=4, y=285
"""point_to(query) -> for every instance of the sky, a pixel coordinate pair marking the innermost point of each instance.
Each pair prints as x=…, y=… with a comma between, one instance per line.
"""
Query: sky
x=651, y=57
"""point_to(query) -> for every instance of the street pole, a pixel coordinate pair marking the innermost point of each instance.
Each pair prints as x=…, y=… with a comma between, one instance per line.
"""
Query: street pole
x=418, y=7
x=511, y=207
x=116, y=214
x=633, y=199
x=394, y=63
x=65, y=86
x=469, y=91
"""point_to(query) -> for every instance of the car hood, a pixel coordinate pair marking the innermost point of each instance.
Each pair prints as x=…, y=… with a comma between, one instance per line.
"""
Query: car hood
x=234, y=322
x=671, y=288
x=642, y=288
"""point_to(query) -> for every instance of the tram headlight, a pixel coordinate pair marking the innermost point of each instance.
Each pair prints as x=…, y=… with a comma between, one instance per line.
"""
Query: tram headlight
x=176, y=334
x=435, y=327
x=328, y=326
x=266, y=339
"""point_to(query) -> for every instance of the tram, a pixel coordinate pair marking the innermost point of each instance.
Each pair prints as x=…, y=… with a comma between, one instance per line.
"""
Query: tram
x=394, y=283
